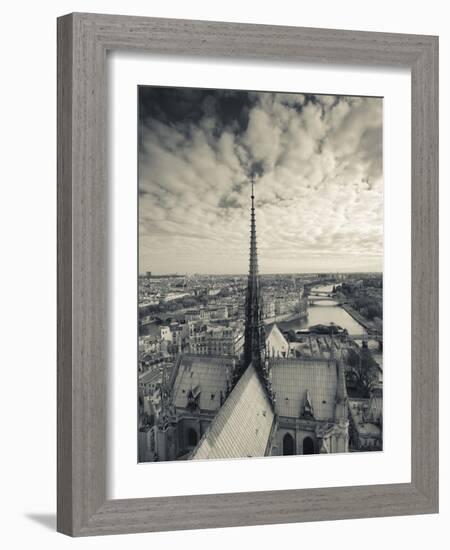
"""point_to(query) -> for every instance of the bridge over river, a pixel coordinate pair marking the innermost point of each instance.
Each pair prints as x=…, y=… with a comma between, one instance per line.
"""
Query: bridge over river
x=315, y=298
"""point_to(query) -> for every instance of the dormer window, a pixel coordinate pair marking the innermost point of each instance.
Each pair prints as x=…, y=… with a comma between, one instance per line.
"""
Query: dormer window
x=307, y=410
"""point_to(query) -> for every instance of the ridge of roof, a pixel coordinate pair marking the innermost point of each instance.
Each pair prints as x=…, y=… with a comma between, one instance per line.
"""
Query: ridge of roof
x=243, y=425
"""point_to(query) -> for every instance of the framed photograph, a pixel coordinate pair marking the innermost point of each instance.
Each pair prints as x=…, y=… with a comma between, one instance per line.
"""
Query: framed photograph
x=247, y=274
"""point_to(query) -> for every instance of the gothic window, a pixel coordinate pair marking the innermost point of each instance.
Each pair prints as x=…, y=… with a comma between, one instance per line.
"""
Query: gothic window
x=308, y=446
x=307, y=409
x=192, y=437
x=288, y=445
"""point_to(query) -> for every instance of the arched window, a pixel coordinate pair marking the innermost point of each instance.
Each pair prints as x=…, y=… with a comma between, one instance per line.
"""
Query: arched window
x=192, y=437
x=308, y=446
x=288, y=445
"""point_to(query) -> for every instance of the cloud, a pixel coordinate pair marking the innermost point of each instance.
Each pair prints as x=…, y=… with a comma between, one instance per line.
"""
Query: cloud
x=319, y=187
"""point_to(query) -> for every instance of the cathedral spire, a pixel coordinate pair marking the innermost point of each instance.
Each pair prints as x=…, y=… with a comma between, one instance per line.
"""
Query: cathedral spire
x=255, y=340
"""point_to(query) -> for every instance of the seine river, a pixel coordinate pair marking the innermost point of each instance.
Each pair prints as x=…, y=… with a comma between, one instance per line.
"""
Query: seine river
x=324, y=313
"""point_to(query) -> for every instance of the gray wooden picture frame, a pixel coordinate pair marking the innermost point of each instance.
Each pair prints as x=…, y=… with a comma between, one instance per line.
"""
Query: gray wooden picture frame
x=83, y=42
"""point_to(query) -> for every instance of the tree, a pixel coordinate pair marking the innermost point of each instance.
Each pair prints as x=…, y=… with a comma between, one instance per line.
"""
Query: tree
x=363, y=370
x=374, y=310
x=188, y=301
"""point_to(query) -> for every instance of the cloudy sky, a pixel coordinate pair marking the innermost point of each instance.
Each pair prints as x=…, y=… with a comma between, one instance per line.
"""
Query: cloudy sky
x=317, y=163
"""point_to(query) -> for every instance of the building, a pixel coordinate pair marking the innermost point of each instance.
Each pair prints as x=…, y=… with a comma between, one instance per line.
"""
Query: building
x=311, y=406
x=147, y=431
x=366, y=421
x=269, y=308
x=149, y=381
x=149, y=344
x=267, y=403
x=198, y=388
x=239, y=430
x=214, y=340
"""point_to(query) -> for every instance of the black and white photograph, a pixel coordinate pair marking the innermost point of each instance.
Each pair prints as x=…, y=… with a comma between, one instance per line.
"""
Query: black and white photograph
x=260, y=286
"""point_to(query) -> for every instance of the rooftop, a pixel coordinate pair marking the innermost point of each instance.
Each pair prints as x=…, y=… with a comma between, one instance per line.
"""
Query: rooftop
x=275, y=338
x=150, y=377
x=359, y=408
x=205, y=376
x=293, y=377
x=243, y=426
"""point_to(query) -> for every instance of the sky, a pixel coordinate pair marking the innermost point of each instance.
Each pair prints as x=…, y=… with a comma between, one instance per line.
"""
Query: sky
x=317, y=165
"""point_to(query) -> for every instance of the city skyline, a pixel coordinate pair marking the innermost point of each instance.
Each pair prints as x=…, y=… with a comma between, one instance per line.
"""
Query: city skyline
x=191, y=274
x=317, y=165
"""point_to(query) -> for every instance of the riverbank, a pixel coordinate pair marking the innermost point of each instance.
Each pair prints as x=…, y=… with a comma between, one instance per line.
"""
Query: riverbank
x=368, y=325
x=285, y=318
x=323, y=315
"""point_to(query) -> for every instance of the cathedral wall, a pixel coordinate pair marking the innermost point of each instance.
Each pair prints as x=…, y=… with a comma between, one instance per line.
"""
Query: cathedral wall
x=166, y=443
x=190, y=430
x=146, y=445
x=298, y=436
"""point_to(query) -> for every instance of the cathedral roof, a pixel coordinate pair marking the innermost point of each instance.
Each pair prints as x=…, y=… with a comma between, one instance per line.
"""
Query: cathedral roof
x=243, y=426
x=292, y=378
x=205, y=376
x=275, y=340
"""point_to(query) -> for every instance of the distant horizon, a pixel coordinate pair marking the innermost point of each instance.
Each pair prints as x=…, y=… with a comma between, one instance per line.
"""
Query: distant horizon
x=178, y=274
